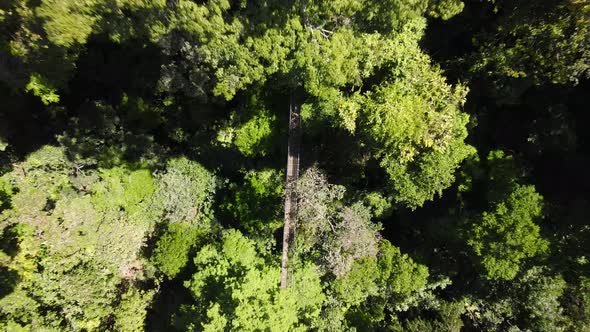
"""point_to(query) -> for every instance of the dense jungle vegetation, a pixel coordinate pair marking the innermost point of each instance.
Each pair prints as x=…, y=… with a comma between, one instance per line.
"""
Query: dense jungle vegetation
x=444, y=180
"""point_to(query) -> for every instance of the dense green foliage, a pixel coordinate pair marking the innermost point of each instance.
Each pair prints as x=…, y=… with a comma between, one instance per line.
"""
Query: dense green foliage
x=543, y=40
x=235, y=288
x=443, y=178
x=76, y=244
x=504, y=237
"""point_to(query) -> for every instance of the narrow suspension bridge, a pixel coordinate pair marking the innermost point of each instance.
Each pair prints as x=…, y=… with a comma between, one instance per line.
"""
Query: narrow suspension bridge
x=293, y=150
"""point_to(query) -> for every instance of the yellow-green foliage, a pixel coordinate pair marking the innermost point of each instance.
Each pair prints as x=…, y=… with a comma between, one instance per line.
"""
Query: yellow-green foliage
x=42, y=89
x=445, y=9
x=375, y=285
x=121, y=187
x=3, y=145
x=418, y=130
x=253, y=137
x=39, y=180
x=174, y=246
x=400, y=274
x=257, y=203
x=5, y=194
x=220, y=43
x=358, y=284
x=131, y=313
x=507, y=234
x=380, y=206
x=236, y=289
x=68, y=22
x=411, y=121
x=75, y=246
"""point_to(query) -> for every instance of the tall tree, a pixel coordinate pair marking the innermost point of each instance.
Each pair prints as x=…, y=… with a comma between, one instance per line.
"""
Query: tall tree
x=544, y=41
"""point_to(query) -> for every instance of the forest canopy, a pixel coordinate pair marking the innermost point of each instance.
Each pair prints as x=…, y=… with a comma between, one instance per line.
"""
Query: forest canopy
x=421, y=165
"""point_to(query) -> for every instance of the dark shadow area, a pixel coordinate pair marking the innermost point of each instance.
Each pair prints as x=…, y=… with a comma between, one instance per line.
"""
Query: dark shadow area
x=165, y=305
x=106, y=70
x=8, y=248
x=25, y=123
x=8, y=281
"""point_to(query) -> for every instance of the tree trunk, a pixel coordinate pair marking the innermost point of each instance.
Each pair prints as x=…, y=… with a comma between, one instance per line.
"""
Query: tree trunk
x=293, y=147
